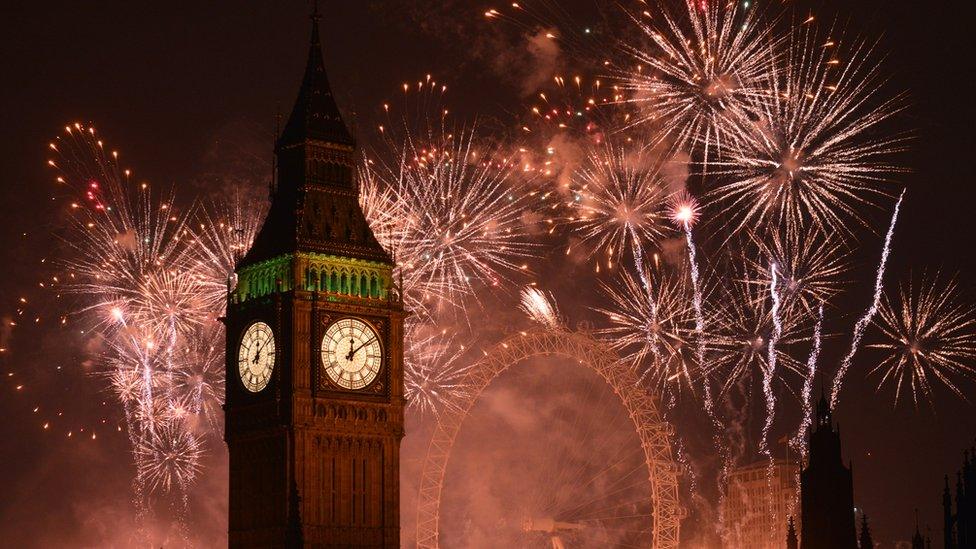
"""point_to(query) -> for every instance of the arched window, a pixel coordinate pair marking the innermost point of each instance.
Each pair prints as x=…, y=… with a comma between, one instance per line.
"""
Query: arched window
x=363, y=286
x=334, y=282
x=374, y=288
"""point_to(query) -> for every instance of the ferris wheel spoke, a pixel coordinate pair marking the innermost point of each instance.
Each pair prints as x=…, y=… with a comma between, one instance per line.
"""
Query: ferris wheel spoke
x=603, y=496
x=577, y=478
x=563, y=466
x=603, y=520
x=581, y=481
x=637, y=468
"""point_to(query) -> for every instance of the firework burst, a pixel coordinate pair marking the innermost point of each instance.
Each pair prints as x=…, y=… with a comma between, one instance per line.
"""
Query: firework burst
x=149, y=283
x=200, y=376
x=446, y=205
x=929, y=337
x=168, y=458
x=223, y=232
x=620, y=195
x=810, y=265
x=651, y=325
x=740, y=330
x=433, y=372
x=810, y=151
x=540, y=306
x=699, y=70
x=577, y=106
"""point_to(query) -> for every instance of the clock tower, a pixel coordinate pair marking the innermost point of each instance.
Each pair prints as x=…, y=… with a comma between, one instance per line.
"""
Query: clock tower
x=314, y=403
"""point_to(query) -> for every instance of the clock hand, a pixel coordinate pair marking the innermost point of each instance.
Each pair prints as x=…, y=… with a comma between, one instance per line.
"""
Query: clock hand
x=257, y=354
x=353, y=353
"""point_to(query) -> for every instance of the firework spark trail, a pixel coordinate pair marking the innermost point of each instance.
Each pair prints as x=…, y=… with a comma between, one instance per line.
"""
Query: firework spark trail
x=806, y=395
x=697, y=302
x=540, y=307
x=685, y=213
x=865, y=320
x=769, y=372
x=638, y=251
x=145, y=372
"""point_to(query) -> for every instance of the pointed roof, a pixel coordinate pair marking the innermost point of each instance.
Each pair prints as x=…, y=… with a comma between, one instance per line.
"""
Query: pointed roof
x=865, y=541
x=315, y=114
x=792, y=542
x=917, y=541
x=315, y=201
x=824, y=413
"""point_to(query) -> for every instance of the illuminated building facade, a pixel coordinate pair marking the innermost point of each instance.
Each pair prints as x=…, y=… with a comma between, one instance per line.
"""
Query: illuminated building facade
x=758, y=501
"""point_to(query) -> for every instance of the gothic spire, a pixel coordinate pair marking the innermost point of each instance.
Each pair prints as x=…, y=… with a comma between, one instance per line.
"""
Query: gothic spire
x=948, y=531
x=917, y=541
x=315, y=203
x=315, y=115
x=865, y=539
x=791, y=540
x=824, y=413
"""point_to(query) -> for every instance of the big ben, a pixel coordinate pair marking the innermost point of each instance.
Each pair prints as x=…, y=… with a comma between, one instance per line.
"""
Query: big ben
x=314, y=403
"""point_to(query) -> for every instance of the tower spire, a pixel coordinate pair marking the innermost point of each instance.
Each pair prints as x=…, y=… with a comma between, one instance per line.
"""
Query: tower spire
x=865, y=541
x=315, y=115
x=792, y=542
x=918, y=542
x=314, y=204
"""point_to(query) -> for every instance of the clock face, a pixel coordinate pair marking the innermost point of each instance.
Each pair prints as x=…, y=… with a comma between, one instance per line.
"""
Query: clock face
x=351, y=353
x=256, y=358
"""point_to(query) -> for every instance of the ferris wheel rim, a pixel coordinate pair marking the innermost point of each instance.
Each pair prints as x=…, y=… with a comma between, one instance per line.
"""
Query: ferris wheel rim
x=653, y=431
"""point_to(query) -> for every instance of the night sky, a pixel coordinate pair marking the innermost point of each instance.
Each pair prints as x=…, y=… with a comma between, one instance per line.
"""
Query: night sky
x=189, y=95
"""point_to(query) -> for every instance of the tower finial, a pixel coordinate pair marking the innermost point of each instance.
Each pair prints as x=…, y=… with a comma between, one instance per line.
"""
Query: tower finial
x=315, y=16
